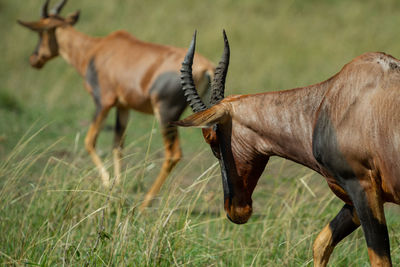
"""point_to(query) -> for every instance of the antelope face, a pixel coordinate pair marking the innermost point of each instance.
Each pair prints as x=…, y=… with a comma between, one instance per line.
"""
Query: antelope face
x=233, y=145
x=47, y=47
x=241, y=166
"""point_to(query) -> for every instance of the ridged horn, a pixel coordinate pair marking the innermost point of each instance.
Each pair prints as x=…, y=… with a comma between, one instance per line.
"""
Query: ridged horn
x=57, y=9
x=188, y=87
x=44, y=13
x=218, y=85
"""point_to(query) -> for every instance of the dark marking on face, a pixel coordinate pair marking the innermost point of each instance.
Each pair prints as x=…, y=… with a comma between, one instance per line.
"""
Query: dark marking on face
x=167, y=91
x=35, y=59
x=46, y=49
x=224, y=160
x=212, y=139
x=93, y=80
x=326, y=151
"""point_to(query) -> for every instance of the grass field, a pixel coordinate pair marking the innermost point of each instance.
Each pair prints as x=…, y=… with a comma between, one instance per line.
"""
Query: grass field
x=53, y=209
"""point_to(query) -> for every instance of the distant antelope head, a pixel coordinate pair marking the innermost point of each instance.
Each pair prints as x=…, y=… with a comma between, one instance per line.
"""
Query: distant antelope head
x=240, y=167
x=47, y=47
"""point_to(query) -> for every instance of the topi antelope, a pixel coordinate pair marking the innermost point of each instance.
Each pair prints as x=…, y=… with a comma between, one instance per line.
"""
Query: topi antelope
x=346, y=128
x=123, y=72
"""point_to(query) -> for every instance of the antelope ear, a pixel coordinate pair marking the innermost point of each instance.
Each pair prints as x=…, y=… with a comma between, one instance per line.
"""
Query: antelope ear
x=42, y=25
x=217, y=114
x=73, y=18
x=36, y=26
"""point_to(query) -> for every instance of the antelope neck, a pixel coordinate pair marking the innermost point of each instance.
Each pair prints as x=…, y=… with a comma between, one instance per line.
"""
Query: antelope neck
x=282, y=121
x=75, y=47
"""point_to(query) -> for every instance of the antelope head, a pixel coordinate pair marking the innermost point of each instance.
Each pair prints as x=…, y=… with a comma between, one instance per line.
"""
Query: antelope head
x=241, y=166
x=47, y=47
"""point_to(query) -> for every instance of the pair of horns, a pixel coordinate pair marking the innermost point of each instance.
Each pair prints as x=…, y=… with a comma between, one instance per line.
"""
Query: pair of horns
x=56, y=10
x=218, y=84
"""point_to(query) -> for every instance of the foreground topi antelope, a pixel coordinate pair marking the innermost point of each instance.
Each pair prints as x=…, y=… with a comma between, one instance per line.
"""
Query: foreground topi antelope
x=123, y=72
x=346, y=128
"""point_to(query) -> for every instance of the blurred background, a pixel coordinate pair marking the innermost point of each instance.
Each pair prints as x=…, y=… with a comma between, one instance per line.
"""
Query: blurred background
x=51, y=199
x=275, y=45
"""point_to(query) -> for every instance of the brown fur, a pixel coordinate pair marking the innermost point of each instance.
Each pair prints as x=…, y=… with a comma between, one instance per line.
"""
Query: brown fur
x=363, y=106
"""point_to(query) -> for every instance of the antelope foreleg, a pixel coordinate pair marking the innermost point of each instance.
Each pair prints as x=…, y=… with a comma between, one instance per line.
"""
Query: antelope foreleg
x=172, y=156
x=90, y=144
x=345, y=222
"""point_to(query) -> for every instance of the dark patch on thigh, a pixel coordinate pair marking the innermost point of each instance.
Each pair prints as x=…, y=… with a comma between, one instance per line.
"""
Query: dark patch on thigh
x=93, y=80
x=326, y=149
x=168, y=92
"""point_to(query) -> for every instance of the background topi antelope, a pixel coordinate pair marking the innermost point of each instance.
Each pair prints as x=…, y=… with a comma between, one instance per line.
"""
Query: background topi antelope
x=123, y=72
x=346, y=128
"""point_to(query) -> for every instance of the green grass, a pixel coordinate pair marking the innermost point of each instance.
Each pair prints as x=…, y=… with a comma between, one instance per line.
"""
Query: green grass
x=53, y=209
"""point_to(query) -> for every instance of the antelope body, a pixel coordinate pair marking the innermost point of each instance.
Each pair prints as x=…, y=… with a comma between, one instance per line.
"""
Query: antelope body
x=346, y=128
x=123, y=72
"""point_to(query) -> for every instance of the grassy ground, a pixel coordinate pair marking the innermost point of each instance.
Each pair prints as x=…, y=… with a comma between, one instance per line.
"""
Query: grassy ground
x=52, y=206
